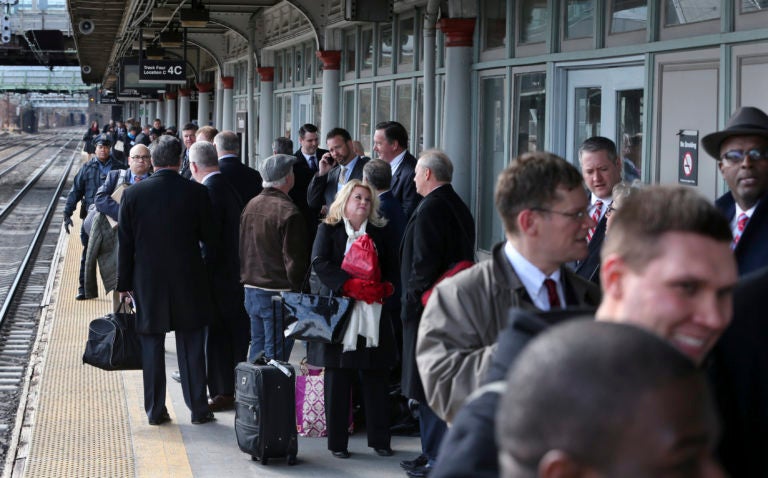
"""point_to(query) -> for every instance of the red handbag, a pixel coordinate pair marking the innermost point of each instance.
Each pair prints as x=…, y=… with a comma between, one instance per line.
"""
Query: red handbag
x=361, y=260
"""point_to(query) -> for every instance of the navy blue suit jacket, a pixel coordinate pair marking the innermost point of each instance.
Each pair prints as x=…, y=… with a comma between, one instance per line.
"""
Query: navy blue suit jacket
x=752, y=250
x=246, y=180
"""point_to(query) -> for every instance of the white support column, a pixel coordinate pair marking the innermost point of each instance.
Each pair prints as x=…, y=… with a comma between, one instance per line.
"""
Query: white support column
x=458, y=113
x=184, y=105
x=170, y=110
x=203, y=103
x=161, y=110
x=151, y=112
x=217, y=105
x=227, y=103
x=329, y=118
x=267, y=76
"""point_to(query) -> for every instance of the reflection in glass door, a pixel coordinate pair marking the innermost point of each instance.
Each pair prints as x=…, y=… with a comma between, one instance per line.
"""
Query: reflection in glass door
x=607, y=102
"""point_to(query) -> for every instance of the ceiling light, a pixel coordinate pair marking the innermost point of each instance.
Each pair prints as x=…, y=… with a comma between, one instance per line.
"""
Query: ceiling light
x=154, y=52
x=171, y=39
x=194, y=17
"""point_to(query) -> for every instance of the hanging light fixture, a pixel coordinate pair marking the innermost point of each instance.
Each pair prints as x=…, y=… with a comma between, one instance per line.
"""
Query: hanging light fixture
x=154, y=52
x=195, y=17
x=172, y=38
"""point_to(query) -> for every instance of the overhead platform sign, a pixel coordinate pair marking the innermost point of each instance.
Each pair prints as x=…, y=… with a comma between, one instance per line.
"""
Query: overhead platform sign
x=163, y=71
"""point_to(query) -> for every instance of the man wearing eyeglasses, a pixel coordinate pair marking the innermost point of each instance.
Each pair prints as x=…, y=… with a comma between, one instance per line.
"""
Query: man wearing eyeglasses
x=139, y=162
x=543, y=206
x=740, y=150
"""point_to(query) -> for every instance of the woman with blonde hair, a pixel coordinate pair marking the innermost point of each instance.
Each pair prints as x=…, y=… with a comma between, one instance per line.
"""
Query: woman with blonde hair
x=353, y=213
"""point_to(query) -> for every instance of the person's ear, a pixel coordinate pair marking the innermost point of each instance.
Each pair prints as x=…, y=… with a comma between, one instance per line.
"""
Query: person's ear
x=527, y=221
x=613, y=270
x=558, y=464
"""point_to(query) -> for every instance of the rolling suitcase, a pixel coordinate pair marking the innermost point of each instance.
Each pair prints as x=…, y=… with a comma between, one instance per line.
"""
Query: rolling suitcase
x=265, y=411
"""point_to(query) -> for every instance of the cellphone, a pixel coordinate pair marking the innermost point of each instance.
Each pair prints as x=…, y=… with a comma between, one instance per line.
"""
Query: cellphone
x=330, y=160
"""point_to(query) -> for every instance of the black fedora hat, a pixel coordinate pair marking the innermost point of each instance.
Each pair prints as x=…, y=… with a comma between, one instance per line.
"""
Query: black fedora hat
x=746, y=121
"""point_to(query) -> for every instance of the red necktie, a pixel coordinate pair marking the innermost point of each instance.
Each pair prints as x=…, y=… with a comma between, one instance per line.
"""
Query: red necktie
x=595, y=217
x=554, y=299
x=136, y=179
x=741, y=223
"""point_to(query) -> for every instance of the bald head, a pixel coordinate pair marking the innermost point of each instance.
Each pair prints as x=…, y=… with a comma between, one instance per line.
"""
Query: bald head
x=139, y=160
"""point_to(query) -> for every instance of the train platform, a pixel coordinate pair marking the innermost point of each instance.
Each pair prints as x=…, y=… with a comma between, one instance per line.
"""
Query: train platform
x=79, y=421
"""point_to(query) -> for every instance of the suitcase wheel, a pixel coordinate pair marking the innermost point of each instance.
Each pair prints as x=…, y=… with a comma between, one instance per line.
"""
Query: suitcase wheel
x=291, y=460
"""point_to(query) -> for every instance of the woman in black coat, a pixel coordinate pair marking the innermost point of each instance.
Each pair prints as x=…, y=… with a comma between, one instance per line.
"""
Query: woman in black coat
x=355, y=210
x=92, y=131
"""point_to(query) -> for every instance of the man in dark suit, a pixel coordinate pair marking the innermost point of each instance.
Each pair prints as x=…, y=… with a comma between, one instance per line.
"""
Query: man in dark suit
x=304, y=169
x=246, y=180
x=739, y=371
x=227, y=339
x=741, y=150
x=188, y=136
x=440, y=233
x=601, y=169
x=162, y=222
x=390, y=141
x=336, y=167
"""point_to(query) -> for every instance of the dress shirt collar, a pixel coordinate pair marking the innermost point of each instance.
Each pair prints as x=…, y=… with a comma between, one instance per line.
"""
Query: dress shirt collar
x=533, y=278
x=395, y=164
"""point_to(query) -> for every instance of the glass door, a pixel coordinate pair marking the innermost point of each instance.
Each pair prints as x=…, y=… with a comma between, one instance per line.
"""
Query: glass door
x=607, y=102
x=302, y=112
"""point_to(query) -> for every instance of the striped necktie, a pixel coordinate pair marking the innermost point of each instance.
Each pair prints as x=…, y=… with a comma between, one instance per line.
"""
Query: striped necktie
x=741, y=223
x=595, y=217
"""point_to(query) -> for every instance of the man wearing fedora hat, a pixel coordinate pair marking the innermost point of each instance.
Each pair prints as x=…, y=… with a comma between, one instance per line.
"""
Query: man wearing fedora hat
x=741, y=150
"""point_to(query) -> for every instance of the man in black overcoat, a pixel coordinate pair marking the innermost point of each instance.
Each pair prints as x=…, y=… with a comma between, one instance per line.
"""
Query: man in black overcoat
x=227, y=339
x=440, y=233
x=246, y=180
x=162, y=222
x=390, y=141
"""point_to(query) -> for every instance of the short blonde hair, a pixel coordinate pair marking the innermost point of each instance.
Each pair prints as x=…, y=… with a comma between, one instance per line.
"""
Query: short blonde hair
x=336, y=210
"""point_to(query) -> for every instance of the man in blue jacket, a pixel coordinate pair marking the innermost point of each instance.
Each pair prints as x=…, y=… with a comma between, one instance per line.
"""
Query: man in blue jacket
x=84, y=187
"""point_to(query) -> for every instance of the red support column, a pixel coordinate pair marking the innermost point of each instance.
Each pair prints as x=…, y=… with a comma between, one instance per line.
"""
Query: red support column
x=331, y=59
x=228, y=82
x=266, y=73
x=458, y=31
x=170, y=95
x=204, y=87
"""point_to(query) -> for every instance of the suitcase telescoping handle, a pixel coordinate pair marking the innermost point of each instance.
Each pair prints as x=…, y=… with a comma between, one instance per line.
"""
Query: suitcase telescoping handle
x=277, y=309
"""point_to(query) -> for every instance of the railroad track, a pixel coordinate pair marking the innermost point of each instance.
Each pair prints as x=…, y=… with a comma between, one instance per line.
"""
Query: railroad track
x=27, y=246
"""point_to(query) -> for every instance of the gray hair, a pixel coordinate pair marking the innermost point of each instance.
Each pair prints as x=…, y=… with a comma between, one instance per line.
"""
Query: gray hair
x=282, y=145
x=439, y=163
x=227, y=141
x=204, y=154
x=278, y=182
x=167, y=152
x=378, y=173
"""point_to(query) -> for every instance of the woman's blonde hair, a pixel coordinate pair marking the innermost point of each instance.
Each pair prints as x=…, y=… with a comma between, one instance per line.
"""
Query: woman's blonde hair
x=336, y=210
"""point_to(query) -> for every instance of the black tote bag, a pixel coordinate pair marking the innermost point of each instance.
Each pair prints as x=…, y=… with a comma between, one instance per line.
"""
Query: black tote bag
x=316, y=318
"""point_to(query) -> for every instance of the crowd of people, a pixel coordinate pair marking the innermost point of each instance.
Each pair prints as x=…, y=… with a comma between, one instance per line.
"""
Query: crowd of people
x=509, y=377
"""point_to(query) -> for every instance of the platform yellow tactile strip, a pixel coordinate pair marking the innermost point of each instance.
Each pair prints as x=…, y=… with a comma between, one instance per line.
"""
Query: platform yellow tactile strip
x=89, y=422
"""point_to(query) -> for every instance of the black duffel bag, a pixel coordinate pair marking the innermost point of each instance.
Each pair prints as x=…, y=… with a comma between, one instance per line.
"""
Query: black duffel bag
x=113, y=343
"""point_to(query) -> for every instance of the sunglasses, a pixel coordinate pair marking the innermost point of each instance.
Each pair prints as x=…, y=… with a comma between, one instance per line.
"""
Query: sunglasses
x=736, y=156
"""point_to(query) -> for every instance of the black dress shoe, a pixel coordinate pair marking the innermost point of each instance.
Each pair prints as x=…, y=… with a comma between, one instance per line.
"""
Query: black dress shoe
x=384, y=451
x=80, y=296
x=420, y=460
x=208, y=417
x=340, y=454
x=420, y=471
x=164, y=417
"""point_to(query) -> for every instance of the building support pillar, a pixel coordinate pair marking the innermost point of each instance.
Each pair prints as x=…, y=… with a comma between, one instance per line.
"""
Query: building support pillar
x=203, y=103
x=184, y=107
x=329, y=118
x=457, y=123
x=267, y=77
x=227, y=102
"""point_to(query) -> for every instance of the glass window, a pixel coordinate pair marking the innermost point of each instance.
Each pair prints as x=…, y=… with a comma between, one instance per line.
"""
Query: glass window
x=309, y=57
x=495, y=20
x=579, y=19
x=349, y=109
x=629, y=15
x=530, y=113
x=630, y=132
x=349, y=52
x=680, y=12
x=406, y=42
x=383, y=102
x=748, y=6
x=287, y=117
x=418, y=138
x=366, y=37
x=298, y=61
x=404, y=101
x=385, y=49
x=588, y=109
x=278, y=70
x=492, y=159
x=533, y=21
x=364, y=118
x=317, y=107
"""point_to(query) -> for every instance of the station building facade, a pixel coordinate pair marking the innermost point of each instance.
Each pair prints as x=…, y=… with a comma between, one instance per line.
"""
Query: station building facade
x=486, y=80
